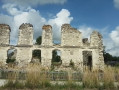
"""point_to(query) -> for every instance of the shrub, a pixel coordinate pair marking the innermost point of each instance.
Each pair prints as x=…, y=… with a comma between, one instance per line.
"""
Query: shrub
x=71, y=64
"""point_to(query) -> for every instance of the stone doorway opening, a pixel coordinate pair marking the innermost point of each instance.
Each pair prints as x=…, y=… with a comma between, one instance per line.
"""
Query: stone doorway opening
x=11, y=56
x=36, y=56
x=87, y=60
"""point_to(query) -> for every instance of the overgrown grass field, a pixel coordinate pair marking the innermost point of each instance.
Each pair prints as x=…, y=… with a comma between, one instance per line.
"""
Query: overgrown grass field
x=37, y=78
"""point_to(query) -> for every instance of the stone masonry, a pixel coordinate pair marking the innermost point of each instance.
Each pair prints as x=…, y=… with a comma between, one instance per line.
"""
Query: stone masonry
x=73, y=47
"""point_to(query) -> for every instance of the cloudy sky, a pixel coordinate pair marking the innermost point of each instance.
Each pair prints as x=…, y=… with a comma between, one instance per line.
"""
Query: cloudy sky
x=85, y=15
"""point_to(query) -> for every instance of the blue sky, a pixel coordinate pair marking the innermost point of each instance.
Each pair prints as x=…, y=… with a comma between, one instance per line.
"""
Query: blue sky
x=85, y=15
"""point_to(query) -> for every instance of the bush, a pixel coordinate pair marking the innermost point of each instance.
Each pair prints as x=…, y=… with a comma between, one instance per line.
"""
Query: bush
x=71, y=64
x=10, y=60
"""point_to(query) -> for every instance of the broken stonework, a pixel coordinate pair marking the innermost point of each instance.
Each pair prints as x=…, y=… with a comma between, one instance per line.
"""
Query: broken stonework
x=73, y=48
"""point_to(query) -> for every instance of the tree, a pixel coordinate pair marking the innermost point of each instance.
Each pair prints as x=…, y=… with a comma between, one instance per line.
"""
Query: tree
x=37, y=54
x=108, y=57
x=55, y=56
x=39, y=40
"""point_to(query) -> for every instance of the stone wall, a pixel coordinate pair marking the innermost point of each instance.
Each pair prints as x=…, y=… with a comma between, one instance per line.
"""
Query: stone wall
x=25, y=34
x=24, y=55
x=47, y=35
x=4, y=42
x=70, y=36
x=72, y=46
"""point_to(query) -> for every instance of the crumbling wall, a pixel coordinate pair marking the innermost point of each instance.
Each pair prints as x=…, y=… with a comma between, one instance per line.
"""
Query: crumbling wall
x=95, y=38
x=47, y=35
x=4, y=42
x=3, y=55
x=25, y=42
x=25, y=34
x=72, y=46
x=96, y=41
x=70, y=36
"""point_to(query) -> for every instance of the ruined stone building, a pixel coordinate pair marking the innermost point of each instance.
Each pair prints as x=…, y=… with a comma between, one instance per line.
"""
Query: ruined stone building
x=73, y=47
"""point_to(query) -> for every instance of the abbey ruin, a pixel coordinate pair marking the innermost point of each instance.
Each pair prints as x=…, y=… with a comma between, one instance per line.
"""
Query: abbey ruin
x=73, y=47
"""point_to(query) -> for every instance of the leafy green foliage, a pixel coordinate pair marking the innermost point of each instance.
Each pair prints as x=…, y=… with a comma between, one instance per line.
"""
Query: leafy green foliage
x=55, y=57
x=71, y=64
x=10, y=60
x=37, y=54
x=39, y=40
x=108, y=57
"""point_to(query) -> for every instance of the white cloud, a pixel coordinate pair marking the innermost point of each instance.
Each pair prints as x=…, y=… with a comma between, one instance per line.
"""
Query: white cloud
x=115, y=36
x=11, y=9
x=33, y=17
x=35, y=2
x=86, y=31
x=62, y=17
x=116, y=3
x=30, y=15
x=113, y=42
